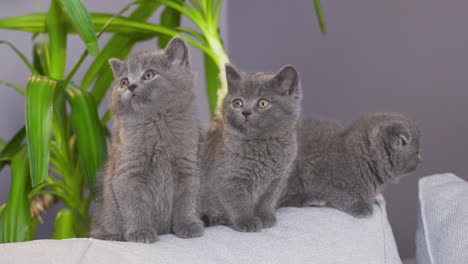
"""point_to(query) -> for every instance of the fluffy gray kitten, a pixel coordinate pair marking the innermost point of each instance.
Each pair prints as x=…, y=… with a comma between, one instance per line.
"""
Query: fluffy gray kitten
x=247, y=157
x=345, y=168
x=151, y=182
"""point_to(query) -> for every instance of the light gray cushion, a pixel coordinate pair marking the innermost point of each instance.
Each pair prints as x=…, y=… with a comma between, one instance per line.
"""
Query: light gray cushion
x=442, y=233
x=302, y=235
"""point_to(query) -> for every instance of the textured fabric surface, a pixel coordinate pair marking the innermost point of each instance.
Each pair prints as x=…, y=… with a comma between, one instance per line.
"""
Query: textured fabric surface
x=442, y=233
x=302, y=235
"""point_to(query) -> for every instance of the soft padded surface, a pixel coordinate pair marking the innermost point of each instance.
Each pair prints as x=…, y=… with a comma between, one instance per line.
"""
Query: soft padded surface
x=442, y=234
x=302, y=235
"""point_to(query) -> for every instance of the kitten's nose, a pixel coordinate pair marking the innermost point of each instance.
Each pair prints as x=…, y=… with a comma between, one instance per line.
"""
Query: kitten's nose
x=246, y=113
x=132, y=87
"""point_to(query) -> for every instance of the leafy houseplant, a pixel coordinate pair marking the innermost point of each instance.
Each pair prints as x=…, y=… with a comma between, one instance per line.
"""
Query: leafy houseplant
x=65, y=139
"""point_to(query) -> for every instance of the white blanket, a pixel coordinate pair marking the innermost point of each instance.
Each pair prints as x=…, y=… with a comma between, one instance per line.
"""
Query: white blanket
x=302, y=235
x=442, y=233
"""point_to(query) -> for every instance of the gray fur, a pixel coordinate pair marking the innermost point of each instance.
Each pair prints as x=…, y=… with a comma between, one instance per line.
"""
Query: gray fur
x=246, y=161
x=151, y=181
x=346, y=168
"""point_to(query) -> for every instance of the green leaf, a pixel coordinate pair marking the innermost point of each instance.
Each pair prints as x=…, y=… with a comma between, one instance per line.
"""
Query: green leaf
x=217, y=10
x=117, y=47
x=208, y=5
x=70, y=223
x=81, y=21
x=64, y=224
x=20, y=54
x=40, y=59
x=105, y=79
x=60, y=130
x=193, y=33
x=2, y=144
x=12, y=147
x=170, y=18
x=57, y=28
x=321, y=20
x=34, y=22
x=16, y=223
x=90, y=137
x=85, y=53
x=18, y=88
x=107, y=116
x=119, y=25
x=185, y=9
x=56, y=187
x=199, y=6
x=39, y=104
x=2, y=208
x=212, y=82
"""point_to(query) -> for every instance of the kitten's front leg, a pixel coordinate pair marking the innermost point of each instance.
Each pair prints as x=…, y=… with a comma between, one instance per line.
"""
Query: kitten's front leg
x=106, y=221
x=267, y=205
x=237, y=202
x=186, y=218
x=134, y=199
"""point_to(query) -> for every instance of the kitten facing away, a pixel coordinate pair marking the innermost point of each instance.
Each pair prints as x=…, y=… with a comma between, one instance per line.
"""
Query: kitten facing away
x=346, y=168
x=247, y=157
x=151, y=181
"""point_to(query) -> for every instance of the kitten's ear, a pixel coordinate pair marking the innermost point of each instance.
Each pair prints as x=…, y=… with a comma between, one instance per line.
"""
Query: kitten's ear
x=177, y=52
x=118, y=67
x=394, y=133
x=287, y=80
x=233, y=76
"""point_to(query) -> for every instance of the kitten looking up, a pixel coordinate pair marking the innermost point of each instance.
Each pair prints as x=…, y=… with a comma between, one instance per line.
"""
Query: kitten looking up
x=345, y=168
x=151, y=181
x=246, y=159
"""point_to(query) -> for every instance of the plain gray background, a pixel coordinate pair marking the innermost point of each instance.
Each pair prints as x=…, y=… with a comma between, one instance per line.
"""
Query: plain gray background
x=404, y=56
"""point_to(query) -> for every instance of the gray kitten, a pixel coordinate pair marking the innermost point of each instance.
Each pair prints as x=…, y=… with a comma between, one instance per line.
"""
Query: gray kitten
x=247, y=157
x=345, y=168
x=151, y=181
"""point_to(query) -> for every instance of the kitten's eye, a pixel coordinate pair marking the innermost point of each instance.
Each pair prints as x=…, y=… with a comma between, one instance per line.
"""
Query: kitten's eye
x=403, y=142
x=149, y=75
x=124, y=82
x=237, y=103
x=262, y=103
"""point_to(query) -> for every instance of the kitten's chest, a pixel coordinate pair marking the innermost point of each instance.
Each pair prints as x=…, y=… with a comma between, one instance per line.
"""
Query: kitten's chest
x=159, y=140
x=265, y=160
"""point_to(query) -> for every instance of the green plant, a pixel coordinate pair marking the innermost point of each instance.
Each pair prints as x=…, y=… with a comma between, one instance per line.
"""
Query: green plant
x=66, y=140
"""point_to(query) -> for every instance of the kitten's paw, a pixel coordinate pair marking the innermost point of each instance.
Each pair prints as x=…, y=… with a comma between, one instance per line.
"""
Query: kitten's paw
x=251, y=224
x=188, y=230
x=361, y=210
x=268, y=220
x=142, y=236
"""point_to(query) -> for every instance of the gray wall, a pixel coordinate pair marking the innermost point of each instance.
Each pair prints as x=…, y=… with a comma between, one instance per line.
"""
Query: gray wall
x=404, y=56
